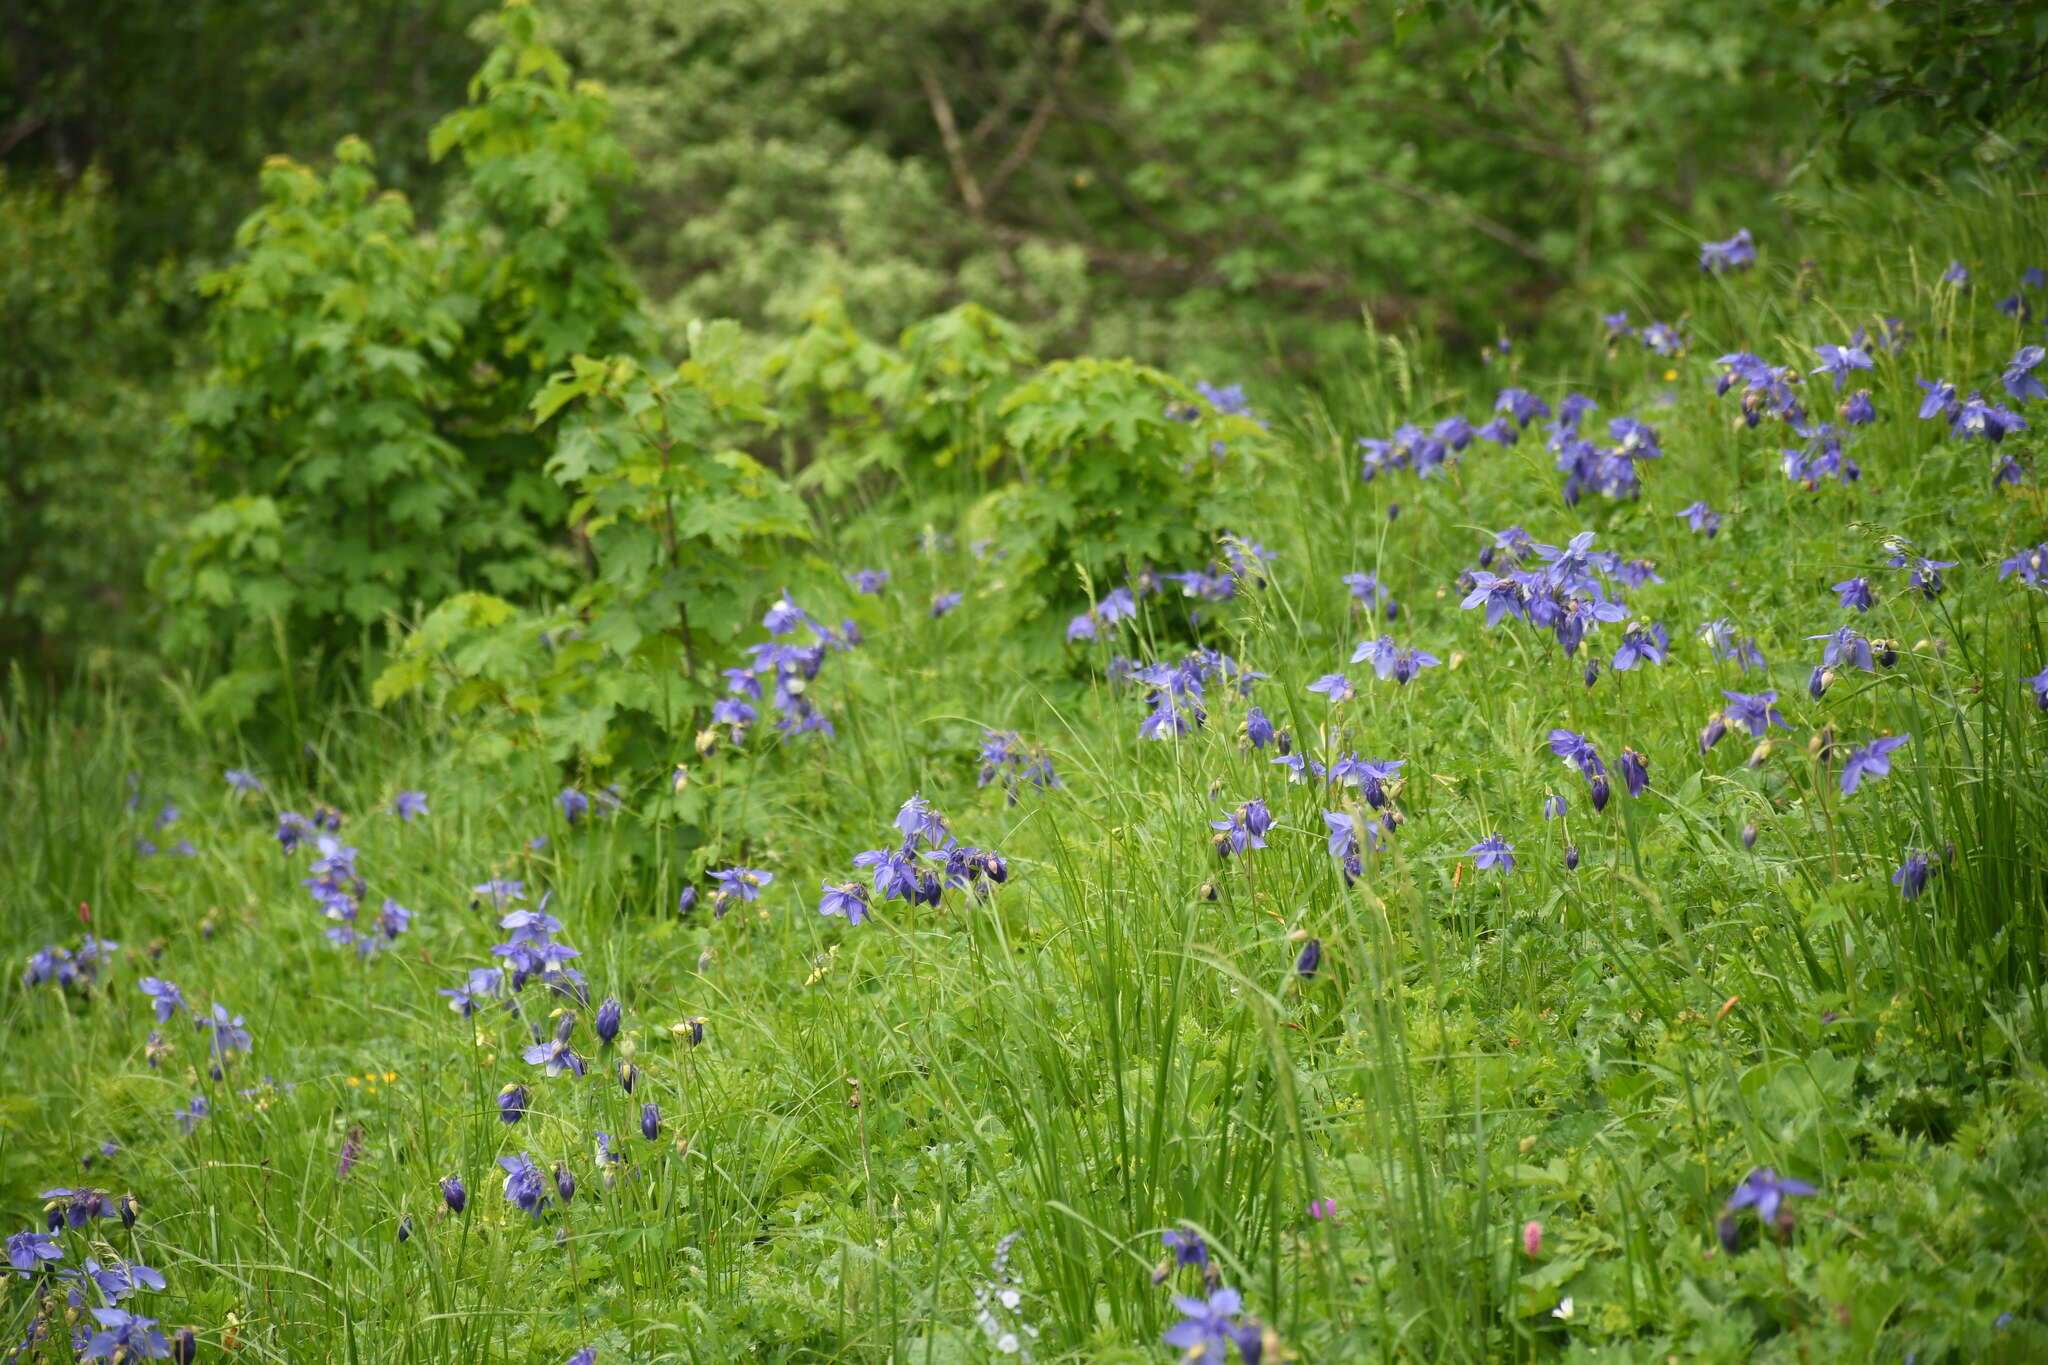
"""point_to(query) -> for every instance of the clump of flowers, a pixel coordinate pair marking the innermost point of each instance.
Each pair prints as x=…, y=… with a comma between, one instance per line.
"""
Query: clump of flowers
x=919, y=869
x=1019, y=765
x=69, y=969
x=779, y=672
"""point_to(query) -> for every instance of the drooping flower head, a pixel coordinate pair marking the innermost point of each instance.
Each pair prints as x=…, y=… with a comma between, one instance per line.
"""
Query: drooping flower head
x=1872, y=760
x=1493, y=852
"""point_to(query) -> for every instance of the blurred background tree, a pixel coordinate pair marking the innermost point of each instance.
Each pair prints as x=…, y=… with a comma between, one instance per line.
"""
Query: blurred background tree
x=1224, y=188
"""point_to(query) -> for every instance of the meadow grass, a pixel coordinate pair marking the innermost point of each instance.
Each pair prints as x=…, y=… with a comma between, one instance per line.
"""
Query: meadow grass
x=1117, y=1043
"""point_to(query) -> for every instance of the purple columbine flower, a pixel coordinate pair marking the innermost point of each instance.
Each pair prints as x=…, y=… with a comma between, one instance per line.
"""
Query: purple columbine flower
x=1840, y=360
x=1642, y=643
x=525, y=1189
x=453, y=1194
x=1911, y=878
x=606, y=1024
x=1756, y=712
x=242, y=780
x=512, y=1102
x=164, y=995
x=1635, y=771
x=575, y=805
x=1207, y=1326
x=1702, y=520
x=409, y=804
x=565, y=1183
x=650, y=1121
x=124, y=1337
x=586, y=1356
x=845, y=898
x=2019, y=379
x=944, y=602
x=1872, y=760
x=1243, y=829
x=28, y=1249
x=1493, y=852
x=1578, y=751
x=1335, y=686
x=1856, y=593
x=1310, y=959
x=228, y=1035
x=1737, y=253
x=869, y=581
x=1859, y=411
x=2039, y=682
x=1766, y=1191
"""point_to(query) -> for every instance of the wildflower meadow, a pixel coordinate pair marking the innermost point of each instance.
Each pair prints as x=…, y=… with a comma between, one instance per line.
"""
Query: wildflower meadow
x=663, y=842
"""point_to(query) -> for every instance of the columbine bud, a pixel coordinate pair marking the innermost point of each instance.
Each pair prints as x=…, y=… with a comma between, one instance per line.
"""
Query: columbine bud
x=1310, y=959
x=1207, y=891
x=453, y=1194
x=565, y=1182
x=998, y=870
x=1729, y=1232
x=650, y=1121
x=184, y=1346
x=1717, y=727
x=130, y=1208
x=405, y=1228
x=1601, y=791
x=1571, y=859
x=607, y=1023
x=1749, y=835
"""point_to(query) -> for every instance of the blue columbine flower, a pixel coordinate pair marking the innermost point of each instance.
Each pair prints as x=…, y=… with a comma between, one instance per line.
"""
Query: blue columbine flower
x=1578, y=751
x=1245, y=828
x=1737, y=253
x=242, y=780
x=1859, y=411
x=409, y=804
x=164, y=995
x=1846, y=648
x=512, y=1102
x=1493, y=852
x=1766, y=1191
x=1635, y=771
x=188, y=1118
x=845, y=898
x=453, y=1194
x=869, y=581
x=1207, y=1327
x=606, y=1024
x=228, y=1035
x=1840, y=360
x=2039, y=682
x=124, y=1337
x=28, y=1249
x=1334, y=686
x=2019, y=378
x=1310, y=958
x=1872, y=760
x=945, y=602
x=650, y=1121
x=525, y=1189
x=1856, y=593
x=1642, y=643
x=737, y=886
x=1756, y=712
x=575, y=805
x=1911, y=878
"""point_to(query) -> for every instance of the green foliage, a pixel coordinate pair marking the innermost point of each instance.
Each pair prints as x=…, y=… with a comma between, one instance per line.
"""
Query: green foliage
x=681, y=531
x=364, y=421
x=82, y=481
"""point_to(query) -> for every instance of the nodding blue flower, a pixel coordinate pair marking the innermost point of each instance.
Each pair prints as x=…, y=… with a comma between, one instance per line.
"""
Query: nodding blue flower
x=454, y=1194
x=242, y=780
x=1845, y=648
x=1702, y=520
x=1553, y=807
x=586, y=1356
x=1662, y=338
x=869, y=581
x=1924, y=577
x=575, y=805
x=1635, y=771
x=228, y=1035
x=164, y=995
x=1911, y=878
x=1714, y=731
x=1498, y=430
x=783, y=615
x=1345, y=831
x=1258, y=731
x=1956, y=274
x=1502, y=597
x=737, y=885
x=1493, y=852
x=1749, y=835
x=2014, y=305
x=565, y=1183
x=188, y=1117
x=2039, y=682
x=629, y=1075
x=409, y=804
x=1737, y=253
x=1975, y=418
x=293, y=829
x=1597, y=791
x=1859, y=411
x=69, y=1208
x=1520, y=404
x=944, y=602
x=524, y=1187
x=1766, y=1191
x=1642, y=643
x=1839, y=360
x=2033, y=277
x=1368, y=775
x=650, y=1121
x=124, y=1337
x=500, y=893
x=2030, y=565
x=1617, y=325
x=1310, y=959
x=1571, y=858
x=1389, y=660
x=849, y=899
x=1184, y=1246
x=916, y=819
x=27, y=1250
x=1243, y=829
x=1872, y=760
x=1941, y=400
x=512, y=1102
x=1578, y=751
x=1335, y=686
x=606, y=1024
x=1207, y=1326
x=1856, y=593
x=2019, y=379
x=1756, y=712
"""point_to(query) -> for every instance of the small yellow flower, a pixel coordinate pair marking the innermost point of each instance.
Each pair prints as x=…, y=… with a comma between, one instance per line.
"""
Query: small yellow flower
x=353, y=1080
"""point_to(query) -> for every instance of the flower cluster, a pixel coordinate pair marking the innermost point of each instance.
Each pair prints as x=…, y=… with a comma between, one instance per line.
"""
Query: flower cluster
x=897, y=874
x=1005, y=755
x=779, y=672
